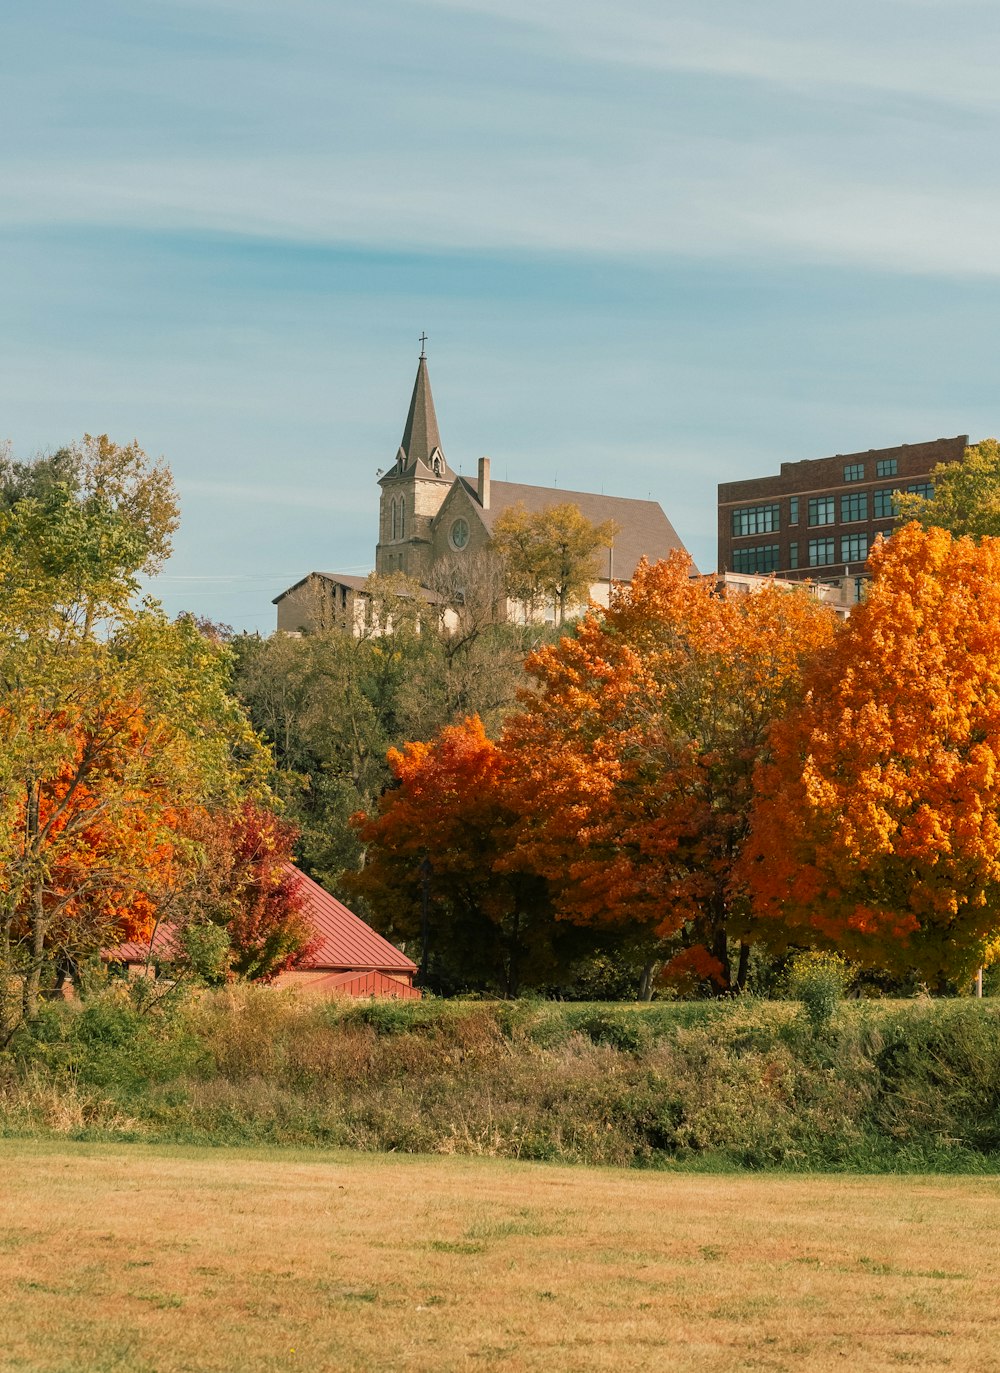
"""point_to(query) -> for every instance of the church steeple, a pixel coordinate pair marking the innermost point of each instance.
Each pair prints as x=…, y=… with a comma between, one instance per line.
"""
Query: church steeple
x=414, y=488
x=421, y=437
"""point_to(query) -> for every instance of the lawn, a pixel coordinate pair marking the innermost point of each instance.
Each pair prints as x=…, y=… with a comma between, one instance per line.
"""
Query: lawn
x=138, y=1258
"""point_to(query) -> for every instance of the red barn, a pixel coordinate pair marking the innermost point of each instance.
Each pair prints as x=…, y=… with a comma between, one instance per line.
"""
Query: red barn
x=346, y=957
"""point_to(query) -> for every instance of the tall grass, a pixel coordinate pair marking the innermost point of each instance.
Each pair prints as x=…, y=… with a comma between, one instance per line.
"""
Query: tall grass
x=884, y=1086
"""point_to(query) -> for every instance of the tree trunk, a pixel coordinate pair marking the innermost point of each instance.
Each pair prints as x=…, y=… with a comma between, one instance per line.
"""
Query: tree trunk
x=33, y=975
x=646, y=982
x=512, y=973
x=720, y=949
x=743, y=968
x=33, y=979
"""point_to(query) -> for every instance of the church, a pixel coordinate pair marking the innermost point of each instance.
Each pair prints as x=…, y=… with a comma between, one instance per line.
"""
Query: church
x=428, y=515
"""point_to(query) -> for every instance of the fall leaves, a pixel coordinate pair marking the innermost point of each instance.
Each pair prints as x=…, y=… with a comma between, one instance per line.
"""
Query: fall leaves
x=118, y=732
x=727, y=771
x=877, y=827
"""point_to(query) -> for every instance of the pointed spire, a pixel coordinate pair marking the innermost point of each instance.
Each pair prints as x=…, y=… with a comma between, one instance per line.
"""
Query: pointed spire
x=421, y=439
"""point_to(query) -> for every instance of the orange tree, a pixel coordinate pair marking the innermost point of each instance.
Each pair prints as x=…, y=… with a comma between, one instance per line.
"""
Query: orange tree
x=92, y=849
x=631, y=768
x=446, y=823
x=876, y=827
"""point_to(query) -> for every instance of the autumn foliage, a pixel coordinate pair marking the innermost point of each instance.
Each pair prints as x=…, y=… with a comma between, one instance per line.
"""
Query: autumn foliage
x=876, y=829
x=247, y=884
x=618, y=798
x=115, y=724
x=94, y=846
x=632, y=766
x=449, y=822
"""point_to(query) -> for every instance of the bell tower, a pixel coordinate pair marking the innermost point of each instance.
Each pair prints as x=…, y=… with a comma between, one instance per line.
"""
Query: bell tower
x=414, y=488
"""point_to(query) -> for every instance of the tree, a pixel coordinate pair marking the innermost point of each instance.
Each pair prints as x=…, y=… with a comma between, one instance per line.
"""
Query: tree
x=966, y=498
x=447, y=823
x=331, y=704
x=550, y=555
x=112, y=720
x=90, y=851
x=876, y=827
x=245, y=882
x=632, y=766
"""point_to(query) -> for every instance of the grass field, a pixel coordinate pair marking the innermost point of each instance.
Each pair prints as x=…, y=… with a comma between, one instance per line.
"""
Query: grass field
x=140, y=1258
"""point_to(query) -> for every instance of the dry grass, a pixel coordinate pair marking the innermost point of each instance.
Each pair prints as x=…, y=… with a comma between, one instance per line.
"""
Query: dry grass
x=140, y=1259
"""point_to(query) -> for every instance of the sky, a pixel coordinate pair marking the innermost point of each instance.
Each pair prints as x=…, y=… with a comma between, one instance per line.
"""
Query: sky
x=655, y=245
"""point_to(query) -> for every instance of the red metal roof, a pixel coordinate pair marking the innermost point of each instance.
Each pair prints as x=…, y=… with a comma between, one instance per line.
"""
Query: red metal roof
x=343, y=941
x=138, y=950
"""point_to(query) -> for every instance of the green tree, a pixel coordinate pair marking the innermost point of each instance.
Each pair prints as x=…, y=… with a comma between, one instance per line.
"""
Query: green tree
x=333, y=703
x=112, y=720
x=966, y=496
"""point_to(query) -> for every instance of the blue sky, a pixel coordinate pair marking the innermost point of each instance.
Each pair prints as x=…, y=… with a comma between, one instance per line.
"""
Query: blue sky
x=655, y=244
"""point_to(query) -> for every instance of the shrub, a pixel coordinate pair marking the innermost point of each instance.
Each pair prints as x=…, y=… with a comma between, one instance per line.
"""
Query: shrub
x=737, y=1083
x=818, y=980
x=622, y=1031
x=385, y=1017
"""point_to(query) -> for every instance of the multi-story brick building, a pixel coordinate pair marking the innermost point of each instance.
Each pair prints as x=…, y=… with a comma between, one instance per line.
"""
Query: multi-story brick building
x=818, y=518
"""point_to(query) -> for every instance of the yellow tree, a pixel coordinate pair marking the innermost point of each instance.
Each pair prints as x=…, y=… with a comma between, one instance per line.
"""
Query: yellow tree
x=876, y=828
x=550, y=555
x=111, y=719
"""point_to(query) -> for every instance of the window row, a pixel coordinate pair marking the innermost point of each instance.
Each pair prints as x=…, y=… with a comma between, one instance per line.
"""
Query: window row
x=762, y=558
x=765, y=558
x=884, y=467
x=765, y=519
x=854, y=505
x=755, y=519
x=853, y=549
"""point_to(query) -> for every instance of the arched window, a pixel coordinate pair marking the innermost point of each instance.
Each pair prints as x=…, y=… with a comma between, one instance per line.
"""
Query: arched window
x=402, y=518
x=392, y=518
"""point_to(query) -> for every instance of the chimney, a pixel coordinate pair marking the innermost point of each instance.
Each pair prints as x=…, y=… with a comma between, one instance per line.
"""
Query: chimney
x=483, y=486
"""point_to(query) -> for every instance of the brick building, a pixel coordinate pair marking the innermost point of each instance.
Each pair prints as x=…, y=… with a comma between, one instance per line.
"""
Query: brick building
x=818, y=518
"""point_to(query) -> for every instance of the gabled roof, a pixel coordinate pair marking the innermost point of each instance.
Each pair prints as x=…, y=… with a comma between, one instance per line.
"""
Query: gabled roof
x=643, y=528
x=343, y=940
x=361, y=984
x=421, y=437
x=336, y=578
x=163, y=944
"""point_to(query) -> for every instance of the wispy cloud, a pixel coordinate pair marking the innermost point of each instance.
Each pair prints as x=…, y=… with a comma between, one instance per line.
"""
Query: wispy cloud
x=690, y=197
x=866, y=132
x=657, y=243
x=931, y=50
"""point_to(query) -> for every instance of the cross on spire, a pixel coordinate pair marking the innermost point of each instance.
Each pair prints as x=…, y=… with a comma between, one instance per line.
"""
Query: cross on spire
x=423, y=340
